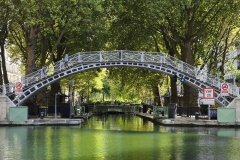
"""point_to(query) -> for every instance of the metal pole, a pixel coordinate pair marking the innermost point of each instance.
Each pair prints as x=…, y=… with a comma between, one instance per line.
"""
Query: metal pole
x=70, y=101
x=224, y=102
x=234, y=78
x=18, y=100
x=209, y=112
x=55, y=115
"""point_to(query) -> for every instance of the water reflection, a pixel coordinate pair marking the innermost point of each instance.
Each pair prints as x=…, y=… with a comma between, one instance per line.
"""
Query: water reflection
x=134, y=123
x=215, y=131
x=119, y=122
x=119, y=137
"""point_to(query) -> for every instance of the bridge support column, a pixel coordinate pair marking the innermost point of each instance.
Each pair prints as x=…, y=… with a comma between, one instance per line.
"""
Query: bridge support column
x=4, y=107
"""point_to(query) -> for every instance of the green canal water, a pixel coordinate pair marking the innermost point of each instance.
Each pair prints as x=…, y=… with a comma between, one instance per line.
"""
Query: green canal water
x=118, y=137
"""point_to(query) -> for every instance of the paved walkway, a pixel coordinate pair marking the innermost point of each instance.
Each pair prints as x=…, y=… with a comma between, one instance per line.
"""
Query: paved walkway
x=42, y=122
x=177, y=121
x=46, y=121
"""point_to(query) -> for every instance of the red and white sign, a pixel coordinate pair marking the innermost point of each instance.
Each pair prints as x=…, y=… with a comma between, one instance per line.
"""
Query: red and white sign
x=208, y=93
x=18, y=87
x=208, y=96
x=224, y=89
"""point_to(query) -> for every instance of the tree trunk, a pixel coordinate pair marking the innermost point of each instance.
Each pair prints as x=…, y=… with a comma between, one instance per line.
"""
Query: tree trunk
x=31, y=47
x=190, y=94
x=103, y=97
x=172, y=48
x=41, y=99
x=173, y=96
x=3, y=66
x=156, y=96
x=1, y=75
x=55, y=88
x=41, y=96
x=30, y=38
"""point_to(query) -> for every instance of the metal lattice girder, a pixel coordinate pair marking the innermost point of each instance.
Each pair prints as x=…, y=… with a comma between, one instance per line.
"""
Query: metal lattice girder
x=156, y=61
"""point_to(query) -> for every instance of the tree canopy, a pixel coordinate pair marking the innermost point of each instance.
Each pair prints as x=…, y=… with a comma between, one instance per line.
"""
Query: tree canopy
x=199, y=32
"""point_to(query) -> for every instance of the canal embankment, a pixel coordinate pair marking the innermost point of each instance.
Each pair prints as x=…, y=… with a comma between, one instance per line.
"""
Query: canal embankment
x=47, y=121
x=43, y=122
x=188, y=121
x=176, y=121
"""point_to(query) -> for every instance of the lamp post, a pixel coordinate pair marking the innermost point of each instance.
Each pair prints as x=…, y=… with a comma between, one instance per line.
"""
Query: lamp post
x=1, y=70
x=55, y=115
x=70, y=101
x=234, y=78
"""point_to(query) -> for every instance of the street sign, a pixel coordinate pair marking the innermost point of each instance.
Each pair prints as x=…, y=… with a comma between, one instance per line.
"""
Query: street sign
x=208, y=93
x=224, y=89
x=208, y=96
x=18, y=88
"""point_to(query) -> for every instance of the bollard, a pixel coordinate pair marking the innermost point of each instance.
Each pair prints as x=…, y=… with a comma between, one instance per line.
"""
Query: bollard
x=196, y=115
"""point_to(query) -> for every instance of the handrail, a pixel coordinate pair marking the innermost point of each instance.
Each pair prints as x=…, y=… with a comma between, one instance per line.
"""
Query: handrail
x=120, y=56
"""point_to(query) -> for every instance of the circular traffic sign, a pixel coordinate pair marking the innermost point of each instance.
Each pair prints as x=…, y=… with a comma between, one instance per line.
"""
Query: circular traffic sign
x=18, y=85
x=225, y=86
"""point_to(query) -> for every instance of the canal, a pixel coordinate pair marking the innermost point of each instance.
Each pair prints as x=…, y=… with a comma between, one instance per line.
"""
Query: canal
x=118, y=137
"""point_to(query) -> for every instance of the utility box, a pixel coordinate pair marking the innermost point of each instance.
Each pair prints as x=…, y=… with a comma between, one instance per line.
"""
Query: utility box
x=226, y=114
x=18, y=114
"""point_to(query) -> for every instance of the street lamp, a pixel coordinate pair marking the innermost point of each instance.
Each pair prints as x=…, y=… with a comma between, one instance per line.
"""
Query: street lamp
x=70, y=101
x=55, y=115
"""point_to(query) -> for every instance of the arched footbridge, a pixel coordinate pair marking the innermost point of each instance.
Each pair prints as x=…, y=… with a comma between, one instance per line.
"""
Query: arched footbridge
x=83, y=61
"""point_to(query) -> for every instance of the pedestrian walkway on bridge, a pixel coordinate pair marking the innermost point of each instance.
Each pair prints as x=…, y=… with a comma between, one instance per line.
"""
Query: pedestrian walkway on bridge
x=83, y=61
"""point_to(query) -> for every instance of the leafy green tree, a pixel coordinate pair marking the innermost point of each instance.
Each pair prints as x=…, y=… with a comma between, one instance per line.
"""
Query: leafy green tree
x=51, y=28
x=197, y=32
x=187, y=23
x=132, y=84
x=186, y=27
x=6, y=16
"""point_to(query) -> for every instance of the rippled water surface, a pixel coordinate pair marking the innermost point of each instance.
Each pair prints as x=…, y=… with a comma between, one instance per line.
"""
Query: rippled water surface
x=118, y=137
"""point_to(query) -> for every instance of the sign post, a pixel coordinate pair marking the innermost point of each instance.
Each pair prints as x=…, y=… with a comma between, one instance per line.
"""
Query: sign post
x=224, y=91
x=208, y=98
x=18, y=89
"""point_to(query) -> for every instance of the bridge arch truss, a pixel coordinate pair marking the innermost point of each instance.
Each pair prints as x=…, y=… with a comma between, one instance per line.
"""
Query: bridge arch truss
x=83, y=61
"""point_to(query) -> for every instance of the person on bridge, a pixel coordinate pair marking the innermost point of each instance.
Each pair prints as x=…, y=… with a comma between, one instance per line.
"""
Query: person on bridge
x=44, y=72
x=66, y=60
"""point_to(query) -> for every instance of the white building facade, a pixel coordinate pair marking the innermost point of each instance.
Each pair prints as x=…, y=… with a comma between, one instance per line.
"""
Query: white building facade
x=13, y=69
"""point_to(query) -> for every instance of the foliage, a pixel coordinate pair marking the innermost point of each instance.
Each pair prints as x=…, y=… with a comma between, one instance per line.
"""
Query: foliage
x=197, y=32
x=132, y=84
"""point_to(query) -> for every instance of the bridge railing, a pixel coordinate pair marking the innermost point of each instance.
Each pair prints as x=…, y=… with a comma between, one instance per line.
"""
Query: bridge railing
x=105, y=56
x=192, y=71
x=28, y=80
x=121, y=56
x=109, y=107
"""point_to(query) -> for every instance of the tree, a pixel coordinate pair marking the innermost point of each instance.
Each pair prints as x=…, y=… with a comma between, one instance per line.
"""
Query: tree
x=184, y=23
x=133, y=84
x=6, y=15
x=50, y=28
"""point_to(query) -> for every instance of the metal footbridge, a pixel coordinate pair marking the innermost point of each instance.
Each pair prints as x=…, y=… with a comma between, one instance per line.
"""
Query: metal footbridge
x=116, y=108
x=83, y=61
